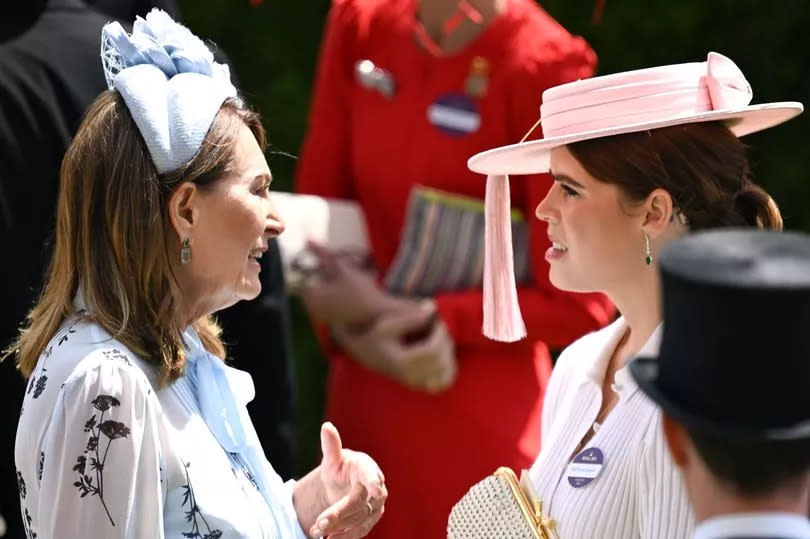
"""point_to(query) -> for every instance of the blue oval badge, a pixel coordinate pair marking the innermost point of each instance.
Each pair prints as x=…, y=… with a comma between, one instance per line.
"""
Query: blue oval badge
x=455, y=115
x=585, y=467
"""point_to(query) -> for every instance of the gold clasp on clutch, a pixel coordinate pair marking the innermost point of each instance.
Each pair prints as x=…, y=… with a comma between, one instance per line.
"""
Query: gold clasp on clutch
x=530, y=505
x=543, y=521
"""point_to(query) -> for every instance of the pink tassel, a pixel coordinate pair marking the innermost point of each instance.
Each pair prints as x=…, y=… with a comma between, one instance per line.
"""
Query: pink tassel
x=502, y=319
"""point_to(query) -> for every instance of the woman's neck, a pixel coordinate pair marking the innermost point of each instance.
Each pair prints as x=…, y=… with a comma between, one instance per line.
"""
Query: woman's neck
x=433, y=14
x=639, y=302
x=186, y=310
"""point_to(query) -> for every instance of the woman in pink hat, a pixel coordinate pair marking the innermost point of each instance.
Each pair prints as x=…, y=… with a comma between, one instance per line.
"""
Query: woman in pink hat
x=406, y=91
x=638, y=158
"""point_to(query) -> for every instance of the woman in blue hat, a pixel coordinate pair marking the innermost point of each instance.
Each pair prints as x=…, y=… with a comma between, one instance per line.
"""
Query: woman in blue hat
x=132, y=423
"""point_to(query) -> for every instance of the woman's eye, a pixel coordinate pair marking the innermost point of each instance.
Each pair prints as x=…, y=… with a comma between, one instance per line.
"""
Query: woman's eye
x=568, y=192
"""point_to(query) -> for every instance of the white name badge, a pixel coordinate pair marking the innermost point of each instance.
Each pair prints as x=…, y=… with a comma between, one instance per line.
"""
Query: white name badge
x=585, y=467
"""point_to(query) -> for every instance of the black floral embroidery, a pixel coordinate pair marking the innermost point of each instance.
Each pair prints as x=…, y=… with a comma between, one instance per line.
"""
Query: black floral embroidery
x=38, y=383
x=243, y=469
x=65, y=336
x=251, y=479
x=29, y=533
x=41, y=381
x=117, y=355
x=112, y=430
x=41, y=464
x=102, y=403
x=21, y=485
x=194, y=512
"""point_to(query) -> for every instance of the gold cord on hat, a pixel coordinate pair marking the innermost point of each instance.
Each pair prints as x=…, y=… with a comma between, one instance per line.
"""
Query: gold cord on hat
x=529, y=132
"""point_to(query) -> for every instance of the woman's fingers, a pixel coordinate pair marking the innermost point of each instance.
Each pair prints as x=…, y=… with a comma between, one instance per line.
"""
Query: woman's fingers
x=348, y=512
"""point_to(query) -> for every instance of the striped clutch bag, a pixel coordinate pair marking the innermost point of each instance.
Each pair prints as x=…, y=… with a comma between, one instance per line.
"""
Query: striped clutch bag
x=442, y=245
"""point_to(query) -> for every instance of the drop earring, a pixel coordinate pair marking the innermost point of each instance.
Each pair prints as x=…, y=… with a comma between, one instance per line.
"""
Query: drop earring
x=185, y=251
x=648, y=259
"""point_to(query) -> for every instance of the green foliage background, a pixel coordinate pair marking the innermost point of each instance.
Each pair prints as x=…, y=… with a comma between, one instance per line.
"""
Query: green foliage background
x=274, y=48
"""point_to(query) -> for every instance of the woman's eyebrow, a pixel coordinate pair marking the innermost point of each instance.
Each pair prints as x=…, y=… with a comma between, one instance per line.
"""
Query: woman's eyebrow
x=567, y=179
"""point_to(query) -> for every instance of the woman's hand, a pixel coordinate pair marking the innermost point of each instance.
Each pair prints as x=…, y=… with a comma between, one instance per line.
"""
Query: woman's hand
x=344, y=496
x=341, y=292
x=399, y=337
x=410, y=345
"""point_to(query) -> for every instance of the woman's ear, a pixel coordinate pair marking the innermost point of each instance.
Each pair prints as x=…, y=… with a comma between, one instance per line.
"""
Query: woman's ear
x=183, y=210
x=658, y=208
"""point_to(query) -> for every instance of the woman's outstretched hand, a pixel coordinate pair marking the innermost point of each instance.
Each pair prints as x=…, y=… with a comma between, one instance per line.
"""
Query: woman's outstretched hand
x=348, y=491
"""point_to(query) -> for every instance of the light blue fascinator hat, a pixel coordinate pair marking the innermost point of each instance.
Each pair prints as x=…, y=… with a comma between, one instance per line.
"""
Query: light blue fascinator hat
x=170, y=83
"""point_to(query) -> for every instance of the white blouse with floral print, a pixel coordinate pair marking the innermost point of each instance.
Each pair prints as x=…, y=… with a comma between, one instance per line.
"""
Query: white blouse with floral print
x=101, y=453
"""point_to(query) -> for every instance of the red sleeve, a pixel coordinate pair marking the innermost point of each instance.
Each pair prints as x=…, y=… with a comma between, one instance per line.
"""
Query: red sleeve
x=323, y=165
x=551, y=316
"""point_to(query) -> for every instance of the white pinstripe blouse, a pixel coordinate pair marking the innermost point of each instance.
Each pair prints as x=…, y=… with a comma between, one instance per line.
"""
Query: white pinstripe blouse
x=639, y=493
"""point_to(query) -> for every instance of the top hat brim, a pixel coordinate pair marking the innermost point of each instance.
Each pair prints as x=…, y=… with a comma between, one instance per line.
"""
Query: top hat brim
x=533, y=157
x=645, y=372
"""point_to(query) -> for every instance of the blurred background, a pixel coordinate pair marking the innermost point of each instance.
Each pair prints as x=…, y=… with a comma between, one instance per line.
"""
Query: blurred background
x=274, y=47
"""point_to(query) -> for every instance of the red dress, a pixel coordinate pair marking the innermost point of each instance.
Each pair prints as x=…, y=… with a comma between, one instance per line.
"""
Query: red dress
x=374, y=148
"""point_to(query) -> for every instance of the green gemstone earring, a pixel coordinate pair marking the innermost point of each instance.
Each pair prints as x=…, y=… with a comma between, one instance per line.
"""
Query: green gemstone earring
x=185, y=251
x=648, y=259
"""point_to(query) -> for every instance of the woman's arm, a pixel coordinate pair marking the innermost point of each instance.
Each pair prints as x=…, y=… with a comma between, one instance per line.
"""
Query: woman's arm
x=100, y=458
x=323, y=166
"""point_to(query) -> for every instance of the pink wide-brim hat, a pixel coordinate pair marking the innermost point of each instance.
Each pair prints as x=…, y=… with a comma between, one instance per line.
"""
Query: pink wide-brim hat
x=714, y=90
x=628, y=102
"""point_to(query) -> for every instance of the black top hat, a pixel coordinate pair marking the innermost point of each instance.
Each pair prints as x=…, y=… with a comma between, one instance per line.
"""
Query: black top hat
x=735, y=351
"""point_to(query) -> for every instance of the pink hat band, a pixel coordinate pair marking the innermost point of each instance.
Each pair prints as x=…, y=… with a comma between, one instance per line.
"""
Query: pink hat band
x=645, y=95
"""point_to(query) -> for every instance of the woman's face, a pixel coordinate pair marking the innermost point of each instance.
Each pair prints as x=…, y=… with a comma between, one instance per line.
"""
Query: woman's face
x=235, y=218
x=598, y=243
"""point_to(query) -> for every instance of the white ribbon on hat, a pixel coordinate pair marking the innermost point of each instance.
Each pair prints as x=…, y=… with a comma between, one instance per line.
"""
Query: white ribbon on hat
x=170, y=83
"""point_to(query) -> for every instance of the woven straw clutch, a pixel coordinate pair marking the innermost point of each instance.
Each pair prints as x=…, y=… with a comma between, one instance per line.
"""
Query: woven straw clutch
x=500, y=507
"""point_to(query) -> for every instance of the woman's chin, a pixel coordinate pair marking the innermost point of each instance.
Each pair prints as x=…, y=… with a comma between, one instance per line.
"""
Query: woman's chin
x=562, y=281
x=249, y=290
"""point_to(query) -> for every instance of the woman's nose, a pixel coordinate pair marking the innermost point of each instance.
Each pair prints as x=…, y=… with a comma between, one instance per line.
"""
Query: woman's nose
x=545, y=209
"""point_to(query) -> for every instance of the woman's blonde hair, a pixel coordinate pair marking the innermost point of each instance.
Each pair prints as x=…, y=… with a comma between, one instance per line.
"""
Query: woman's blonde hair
x=114, y=238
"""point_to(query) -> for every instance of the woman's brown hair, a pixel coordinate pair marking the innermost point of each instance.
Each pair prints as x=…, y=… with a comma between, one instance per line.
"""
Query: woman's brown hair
x=114, y=238
x=703, y=166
